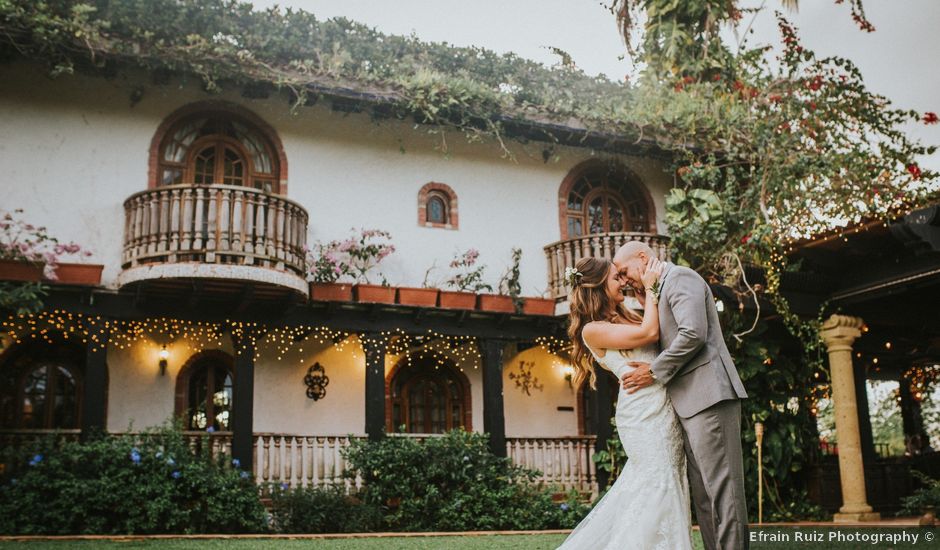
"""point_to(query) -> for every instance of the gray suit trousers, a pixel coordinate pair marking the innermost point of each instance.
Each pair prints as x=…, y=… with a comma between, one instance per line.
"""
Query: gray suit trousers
x=716, y=474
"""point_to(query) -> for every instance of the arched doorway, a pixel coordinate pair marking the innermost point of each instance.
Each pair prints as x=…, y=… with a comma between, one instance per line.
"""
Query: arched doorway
x=426, y=397
x=604, y=197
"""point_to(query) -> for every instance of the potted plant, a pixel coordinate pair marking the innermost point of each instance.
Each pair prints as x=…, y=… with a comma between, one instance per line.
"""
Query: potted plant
x=509, y=299
x=538, y=305
x=29, y=253
x=465, y=283
x=358, y=255
x=325, y=269
x=924, y=501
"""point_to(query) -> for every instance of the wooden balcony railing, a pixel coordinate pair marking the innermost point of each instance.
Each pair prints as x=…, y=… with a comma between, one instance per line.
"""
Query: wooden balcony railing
x=316, y=460
x=214, y=224
x=564, y=461
x=563, y=254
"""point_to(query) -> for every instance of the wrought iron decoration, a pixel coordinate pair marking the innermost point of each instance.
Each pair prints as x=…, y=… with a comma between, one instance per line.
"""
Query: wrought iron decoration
x=316, y=381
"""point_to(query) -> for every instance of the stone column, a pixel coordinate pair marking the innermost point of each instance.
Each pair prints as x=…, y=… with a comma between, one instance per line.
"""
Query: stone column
x=839, y=332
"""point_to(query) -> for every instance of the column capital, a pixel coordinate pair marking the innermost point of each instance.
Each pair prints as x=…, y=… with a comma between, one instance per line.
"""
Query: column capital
x=839, y=332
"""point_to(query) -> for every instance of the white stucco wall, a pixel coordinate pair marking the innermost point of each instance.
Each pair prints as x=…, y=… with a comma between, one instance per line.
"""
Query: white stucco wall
x=140, y=397
x=73, y=149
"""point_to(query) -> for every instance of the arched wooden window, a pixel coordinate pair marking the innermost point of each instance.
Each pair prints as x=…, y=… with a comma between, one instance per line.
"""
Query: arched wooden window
x=204, y=391
x=217, y=147
x=427, y=398
x=437, y=206
x=601, y=197
x=42, y=388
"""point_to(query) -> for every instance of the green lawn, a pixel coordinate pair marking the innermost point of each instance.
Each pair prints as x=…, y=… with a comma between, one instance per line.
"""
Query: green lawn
x=810, y=536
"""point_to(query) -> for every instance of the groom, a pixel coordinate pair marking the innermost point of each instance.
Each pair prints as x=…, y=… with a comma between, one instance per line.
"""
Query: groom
x=705, y=389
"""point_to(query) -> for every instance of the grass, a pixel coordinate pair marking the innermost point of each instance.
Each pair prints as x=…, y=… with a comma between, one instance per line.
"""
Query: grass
x=481, y=542
x=487, y=542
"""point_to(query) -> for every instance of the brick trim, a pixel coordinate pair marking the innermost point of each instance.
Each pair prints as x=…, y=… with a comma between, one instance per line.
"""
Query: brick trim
x=450, y=198
x=596, y=164
x=223, y=107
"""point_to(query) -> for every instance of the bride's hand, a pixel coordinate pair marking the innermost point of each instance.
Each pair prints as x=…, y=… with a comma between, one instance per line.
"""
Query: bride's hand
x=653, y=270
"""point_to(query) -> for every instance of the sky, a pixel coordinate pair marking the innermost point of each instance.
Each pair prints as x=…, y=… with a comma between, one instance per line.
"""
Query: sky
x=898, y=60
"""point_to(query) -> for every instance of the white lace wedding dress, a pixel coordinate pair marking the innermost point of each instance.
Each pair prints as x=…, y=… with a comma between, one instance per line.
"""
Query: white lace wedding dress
x=647, y=508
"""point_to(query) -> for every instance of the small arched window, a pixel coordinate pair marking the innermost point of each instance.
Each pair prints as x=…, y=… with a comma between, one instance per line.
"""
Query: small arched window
x=204, y=392
x=437, y=206
x=43, y=388
x=217, y=148
x=427, y=398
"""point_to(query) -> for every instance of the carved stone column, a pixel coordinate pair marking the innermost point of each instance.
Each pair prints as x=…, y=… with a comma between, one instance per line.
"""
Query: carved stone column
x=839, y=332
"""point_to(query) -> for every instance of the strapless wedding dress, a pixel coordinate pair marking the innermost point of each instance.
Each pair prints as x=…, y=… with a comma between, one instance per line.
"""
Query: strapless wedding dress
x=647, y=508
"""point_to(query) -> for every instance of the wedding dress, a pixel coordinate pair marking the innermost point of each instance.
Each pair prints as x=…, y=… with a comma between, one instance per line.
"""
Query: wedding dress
x=647, y=508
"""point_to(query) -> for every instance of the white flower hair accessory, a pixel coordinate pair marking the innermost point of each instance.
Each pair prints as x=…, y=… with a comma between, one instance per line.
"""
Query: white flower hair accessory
x=573, y=277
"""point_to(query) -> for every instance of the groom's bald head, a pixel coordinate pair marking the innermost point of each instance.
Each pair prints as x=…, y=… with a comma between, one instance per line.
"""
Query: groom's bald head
x=631, y=259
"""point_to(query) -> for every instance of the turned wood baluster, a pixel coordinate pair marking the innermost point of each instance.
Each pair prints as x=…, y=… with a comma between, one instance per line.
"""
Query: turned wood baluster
x=212, y=219
x=280, y=232
x=174, y=223
x=186, y=239
x=238, y=225
x=225, y=217
x=260, y=224
x=199, y=223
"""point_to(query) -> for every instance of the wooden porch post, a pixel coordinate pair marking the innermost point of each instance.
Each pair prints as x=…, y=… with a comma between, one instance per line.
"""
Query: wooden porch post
x=374, y=347
x=243, y=401
x=839, y=332
x=603, y=405
x=494, y=417
x=95, y=387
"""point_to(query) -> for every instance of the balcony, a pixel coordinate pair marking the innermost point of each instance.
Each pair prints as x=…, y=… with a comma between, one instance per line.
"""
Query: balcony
x=220, y=232
x=564, y=254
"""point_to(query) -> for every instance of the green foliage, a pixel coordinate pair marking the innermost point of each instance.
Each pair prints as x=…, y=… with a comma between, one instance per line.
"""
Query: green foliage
x=927, y=496
x=509, y=283
x=150, y=483
x=22, y=298
x=321, y=510
x=453, y=483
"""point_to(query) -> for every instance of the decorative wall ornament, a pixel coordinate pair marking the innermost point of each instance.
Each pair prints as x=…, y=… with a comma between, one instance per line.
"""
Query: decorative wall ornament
x=316, y=381
x=524, y=379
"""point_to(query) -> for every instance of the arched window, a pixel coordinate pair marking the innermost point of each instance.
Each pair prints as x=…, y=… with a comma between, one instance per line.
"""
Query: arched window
x=600, y=197
x=217, y=146
x=204, y=391
x=437, y=206
x=427, y=398
x=42, y=388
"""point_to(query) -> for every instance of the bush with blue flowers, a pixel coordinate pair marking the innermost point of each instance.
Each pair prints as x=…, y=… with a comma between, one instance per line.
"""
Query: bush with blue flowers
x=153, y=482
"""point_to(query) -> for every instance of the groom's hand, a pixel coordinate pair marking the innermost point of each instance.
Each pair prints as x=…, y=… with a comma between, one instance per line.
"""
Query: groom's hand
x=638, y=379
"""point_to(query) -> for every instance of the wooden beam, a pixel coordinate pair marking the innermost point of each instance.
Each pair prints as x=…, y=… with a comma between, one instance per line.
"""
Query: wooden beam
x=494, y=418
x=243, y=401
x=373, y=344
x=95, y=383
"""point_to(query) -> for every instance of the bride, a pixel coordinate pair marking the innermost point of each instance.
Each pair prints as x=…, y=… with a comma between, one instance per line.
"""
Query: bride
x=647, y=507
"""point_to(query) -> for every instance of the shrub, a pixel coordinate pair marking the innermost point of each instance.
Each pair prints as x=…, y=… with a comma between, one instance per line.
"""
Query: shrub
x=321, y=510
x=453, y=483
x=147, y=483
x=927, y=496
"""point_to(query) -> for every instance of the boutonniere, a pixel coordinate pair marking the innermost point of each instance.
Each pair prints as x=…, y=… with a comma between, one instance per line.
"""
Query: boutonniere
x=655, y=289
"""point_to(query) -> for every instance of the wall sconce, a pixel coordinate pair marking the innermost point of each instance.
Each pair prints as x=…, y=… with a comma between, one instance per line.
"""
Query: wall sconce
x=569, y=375
x=164, y=354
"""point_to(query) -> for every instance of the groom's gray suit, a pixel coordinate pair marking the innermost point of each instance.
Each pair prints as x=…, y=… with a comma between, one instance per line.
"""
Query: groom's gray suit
x=705, y=389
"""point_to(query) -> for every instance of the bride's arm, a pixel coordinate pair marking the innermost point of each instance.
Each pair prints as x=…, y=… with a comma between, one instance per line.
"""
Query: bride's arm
x=619, y=336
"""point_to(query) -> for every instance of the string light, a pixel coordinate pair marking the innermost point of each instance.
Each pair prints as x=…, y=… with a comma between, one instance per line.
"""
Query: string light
x=195, y=336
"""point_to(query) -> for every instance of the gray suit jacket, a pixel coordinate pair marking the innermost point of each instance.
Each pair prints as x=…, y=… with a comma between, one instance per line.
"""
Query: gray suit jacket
x=694, y=364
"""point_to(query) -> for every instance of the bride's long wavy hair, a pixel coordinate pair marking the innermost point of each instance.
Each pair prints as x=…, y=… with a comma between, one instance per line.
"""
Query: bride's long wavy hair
x=588, y=301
